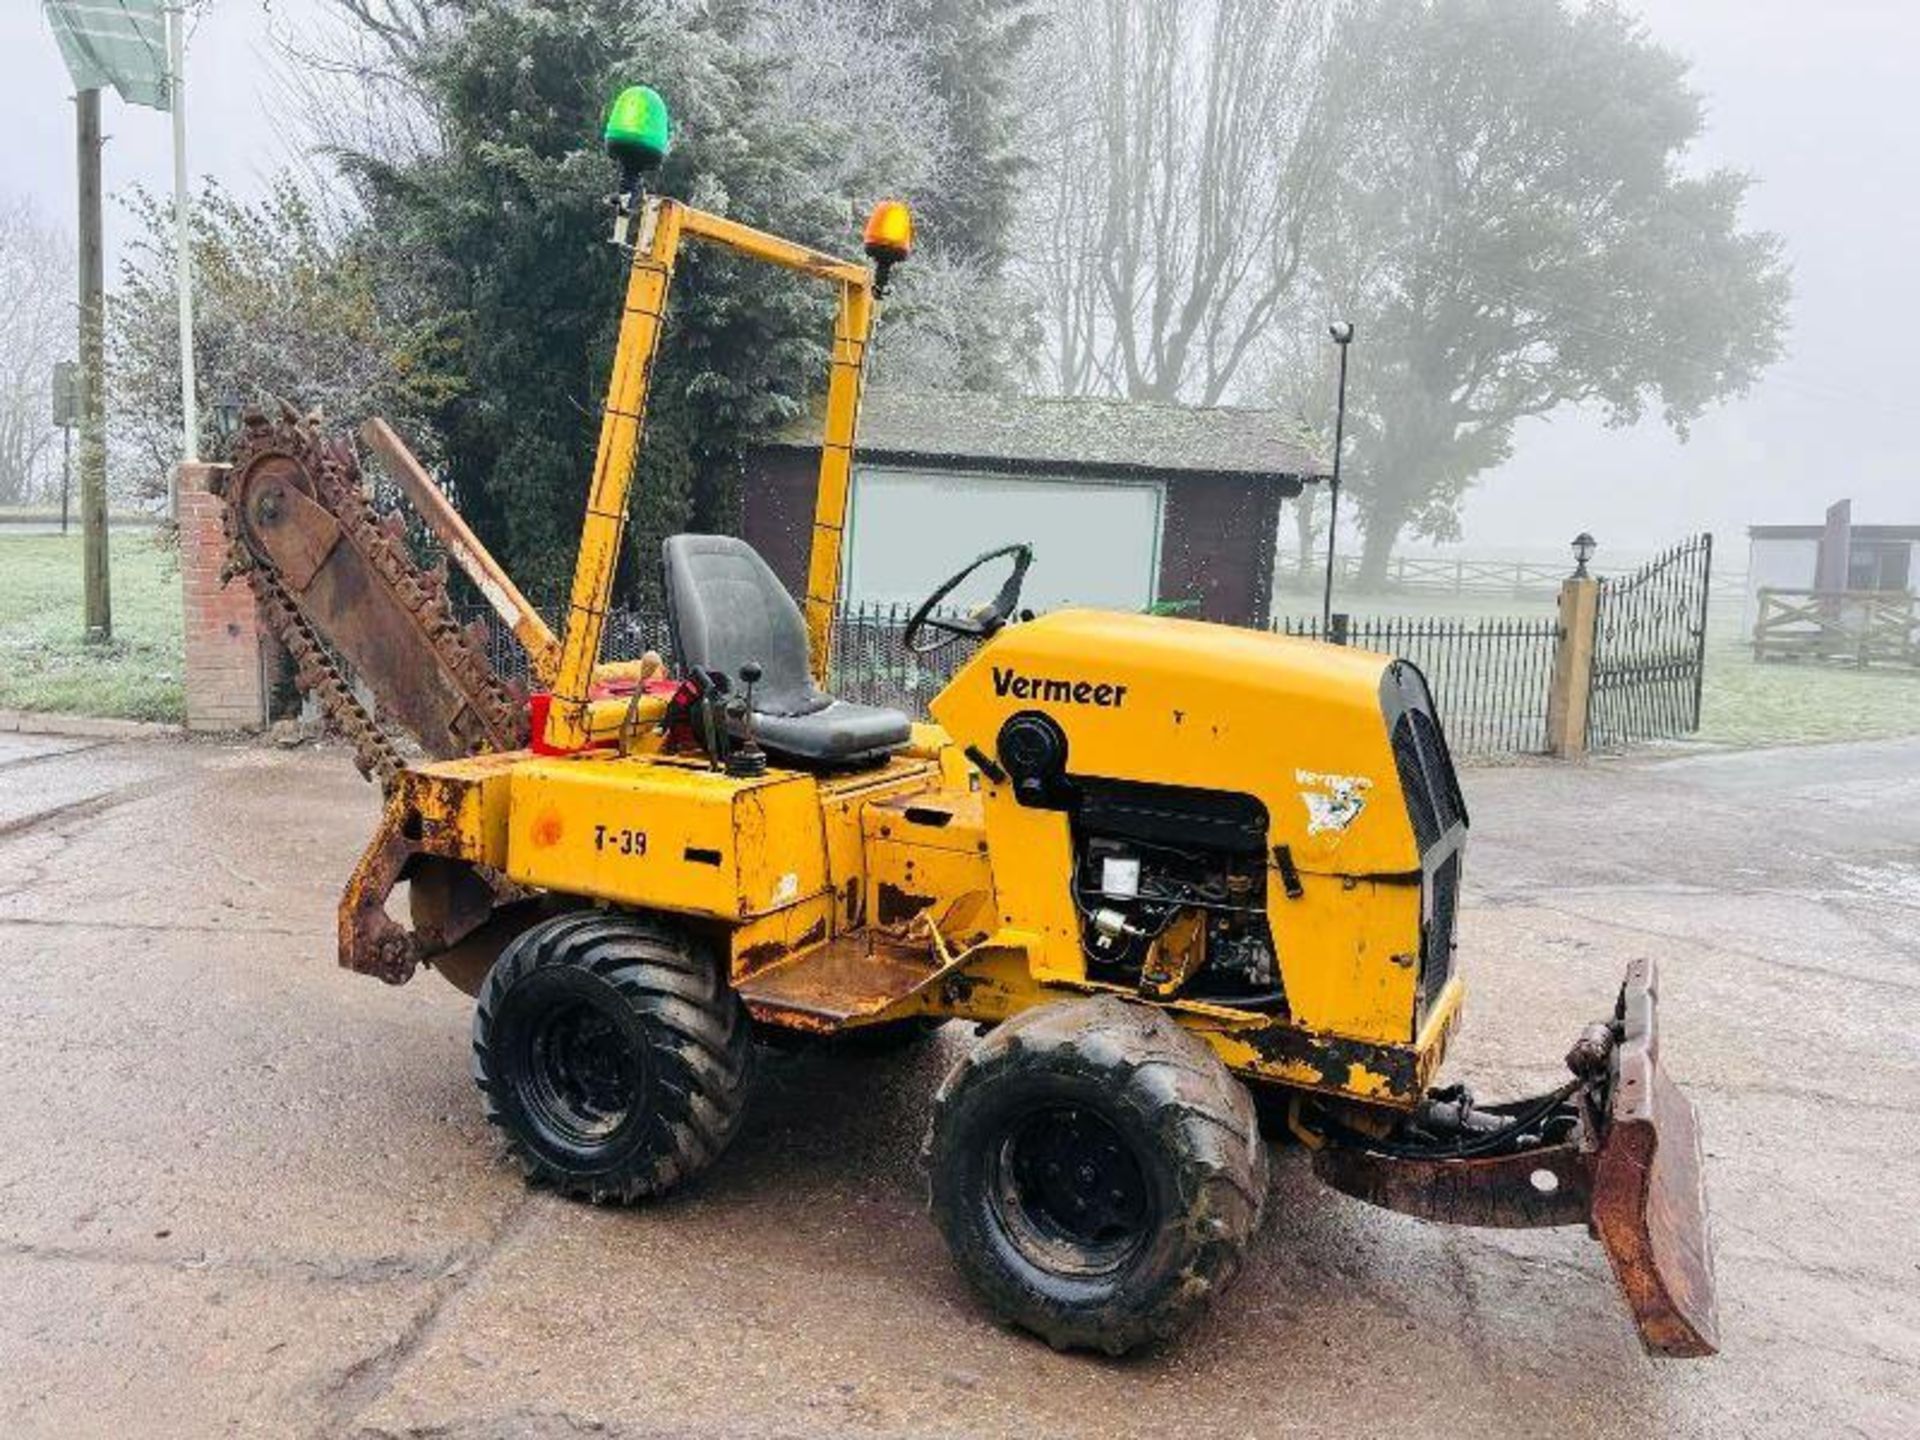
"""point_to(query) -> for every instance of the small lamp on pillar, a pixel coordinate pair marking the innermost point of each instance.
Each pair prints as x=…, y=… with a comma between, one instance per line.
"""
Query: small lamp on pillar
x=1583, y=547
x=226, y=420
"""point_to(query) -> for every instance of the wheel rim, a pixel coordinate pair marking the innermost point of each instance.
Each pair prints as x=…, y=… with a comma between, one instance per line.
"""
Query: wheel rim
x=582, y=1076
x=1069, y=1193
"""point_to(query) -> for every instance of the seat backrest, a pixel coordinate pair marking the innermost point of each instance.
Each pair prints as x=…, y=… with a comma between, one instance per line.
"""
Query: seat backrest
x=727, y=608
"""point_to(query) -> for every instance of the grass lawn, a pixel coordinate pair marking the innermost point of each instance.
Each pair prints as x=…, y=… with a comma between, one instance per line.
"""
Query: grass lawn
x=1744, y=703
x=1303, y=603
x=45, y=662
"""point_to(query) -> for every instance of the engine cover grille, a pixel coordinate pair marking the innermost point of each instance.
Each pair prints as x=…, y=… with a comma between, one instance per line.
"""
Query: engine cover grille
x=1438, y=816
x=1436, y=935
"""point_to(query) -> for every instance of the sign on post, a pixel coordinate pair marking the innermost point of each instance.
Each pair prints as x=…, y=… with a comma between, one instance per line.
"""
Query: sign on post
x=66, y=394
x=122, y=44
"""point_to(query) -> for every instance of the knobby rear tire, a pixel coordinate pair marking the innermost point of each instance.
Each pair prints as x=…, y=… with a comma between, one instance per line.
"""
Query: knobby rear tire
x=612, y=1054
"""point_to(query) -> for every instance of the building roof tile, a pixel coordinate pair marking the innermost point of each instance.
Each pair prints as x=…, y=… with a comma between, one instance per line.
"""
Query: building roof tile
x=1110, y=437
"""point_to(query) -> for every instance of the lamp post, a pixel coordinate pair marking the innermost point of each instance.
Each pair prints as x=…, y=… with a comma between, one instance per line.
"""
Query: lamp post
x=1342, y=333
x=176, y=26
x=1583, y=547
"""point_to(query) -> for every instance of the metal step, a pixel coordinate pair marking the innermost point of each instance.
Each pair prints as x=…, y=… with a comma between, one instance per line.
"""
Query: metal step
x=851, y=977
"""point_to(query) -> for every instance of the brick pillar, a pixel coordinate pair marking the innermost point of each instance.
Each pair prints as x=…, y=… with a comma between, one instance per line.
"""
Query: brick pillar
x=227, y=653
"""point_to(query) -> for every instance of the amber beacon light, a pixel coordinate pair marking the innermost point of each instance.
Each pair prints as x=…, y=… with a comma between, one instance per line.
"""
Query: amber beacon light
x=888, y=238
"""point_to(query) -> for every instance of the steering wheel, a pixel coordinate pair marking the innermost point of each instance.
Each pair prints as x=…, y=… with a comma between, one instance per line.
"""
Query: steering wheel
x=982, y=620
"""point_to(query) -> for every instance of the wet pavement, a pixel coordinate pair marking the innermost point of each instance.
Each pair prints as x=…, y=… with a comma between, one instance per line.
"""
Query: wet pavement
x=242, y=1192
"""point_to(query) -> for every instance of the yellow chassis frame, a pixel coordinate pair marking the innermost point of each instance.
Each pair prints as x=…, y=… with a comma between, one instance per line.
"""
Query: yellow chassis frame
x=663, y=226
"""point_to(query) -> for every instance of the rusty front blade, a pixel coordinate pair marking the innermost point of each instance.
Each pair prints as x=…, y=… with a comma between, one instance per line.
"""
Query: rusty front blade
x=1649, y=1194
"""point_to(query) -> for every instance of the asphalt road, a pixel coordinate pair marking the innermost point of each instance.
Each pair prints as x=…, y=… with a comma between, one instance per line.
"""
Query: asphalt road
x=244, y=1192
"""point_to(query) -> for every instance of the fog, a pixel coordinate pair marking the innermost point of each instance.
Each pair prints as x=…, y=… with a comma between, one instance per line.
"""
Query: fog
x=1815, y=102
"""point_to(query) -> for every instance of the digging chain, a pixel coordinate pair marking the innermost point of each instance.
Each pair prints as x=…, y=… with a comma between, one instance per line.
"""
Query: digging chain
x=333, y=472
x=315, y=672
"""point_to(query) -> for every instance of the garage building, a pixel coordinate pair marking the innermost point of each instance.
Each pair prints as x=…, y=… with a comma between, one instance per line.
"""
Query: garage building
x=1127, y=505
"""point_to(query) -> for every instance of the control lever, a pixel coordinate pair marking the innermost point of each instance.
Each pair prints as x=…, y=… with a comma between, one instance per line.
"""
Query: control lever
x=711, y=714
x=747, y=758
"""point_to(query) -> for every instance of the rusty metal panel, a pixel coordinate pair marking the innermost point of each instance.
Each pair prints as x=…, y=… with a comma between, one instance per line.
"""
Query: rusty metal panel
x=926, y=855
x=461, y=806
x=1275, y=1049
x=1534, y=1188
x=1626, y=1163
x=844, y=801
x=1649, y=1189
x=370, y=941
x=851, y=978
x=777, y=845
x=324, y=568
x=757, y=945
x=936, y=819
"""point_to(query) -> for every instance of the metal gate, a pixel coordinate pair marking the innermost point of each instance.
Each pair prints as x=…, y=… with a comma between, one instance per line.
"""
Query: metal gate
x=1649, y=648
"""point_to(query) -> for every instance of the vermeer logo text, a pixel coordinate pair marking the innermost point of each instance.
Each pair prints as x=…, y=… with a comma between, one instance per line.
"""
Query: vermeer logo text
x=1066, y=692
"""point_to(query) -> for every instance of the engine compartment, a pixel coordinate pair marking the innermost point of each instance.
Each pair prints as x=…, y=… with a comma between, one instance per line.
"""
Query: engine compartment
x=1171, y=888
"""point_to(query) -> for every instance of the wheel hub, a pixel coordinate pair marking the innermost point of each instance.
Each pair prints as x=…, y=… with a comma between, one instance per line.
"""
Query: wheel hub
x=1070, y=1193
x=583, y=1076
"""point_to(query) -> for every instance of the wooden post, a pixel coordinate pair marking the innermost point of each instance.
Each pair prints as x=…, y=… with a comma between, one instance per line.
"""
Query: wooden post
x=93, y=389
x=1572, y=685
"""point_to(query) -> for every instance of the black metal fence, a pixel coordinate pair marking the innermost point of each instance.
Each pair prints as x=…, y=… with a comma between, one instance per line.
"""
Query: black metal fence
x=1489, y=677
x=1649, y=648
x=871, y=666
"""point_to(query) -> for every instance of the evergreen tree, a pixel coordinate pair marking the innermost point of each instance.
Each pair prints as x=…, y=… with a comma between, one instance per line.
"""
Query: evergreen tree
x=509, y=220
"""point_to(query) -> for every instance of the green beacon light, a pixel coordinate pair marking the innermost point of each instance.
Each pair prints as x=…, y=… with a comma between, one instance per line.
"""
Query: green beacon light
x=636, y=133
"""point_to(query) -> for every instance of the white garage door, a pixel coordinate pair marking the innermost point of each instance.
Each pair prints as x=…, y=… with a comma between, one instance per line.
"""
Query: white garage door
x=1095, y=542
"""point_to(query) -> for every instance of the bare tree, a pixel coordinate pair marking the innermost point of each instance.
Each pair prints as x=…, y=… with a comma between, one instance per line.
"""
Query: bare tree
x=1295, y=377
x=37, y=328
x=290, y=308
x=950, y=325
x=403, y=30
x=344, y=81
x=833, y=58
x=1180, y=152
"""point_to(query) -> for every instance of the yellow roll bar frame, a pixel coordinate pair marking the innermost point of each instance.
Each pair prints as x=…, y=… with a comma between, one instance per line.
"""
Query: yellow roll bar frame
x=664, y=223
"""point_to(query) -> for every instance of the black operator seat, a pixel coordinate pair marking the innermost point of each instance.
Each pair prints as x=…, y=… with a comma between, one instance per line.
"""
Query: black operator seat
x=727, y=609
